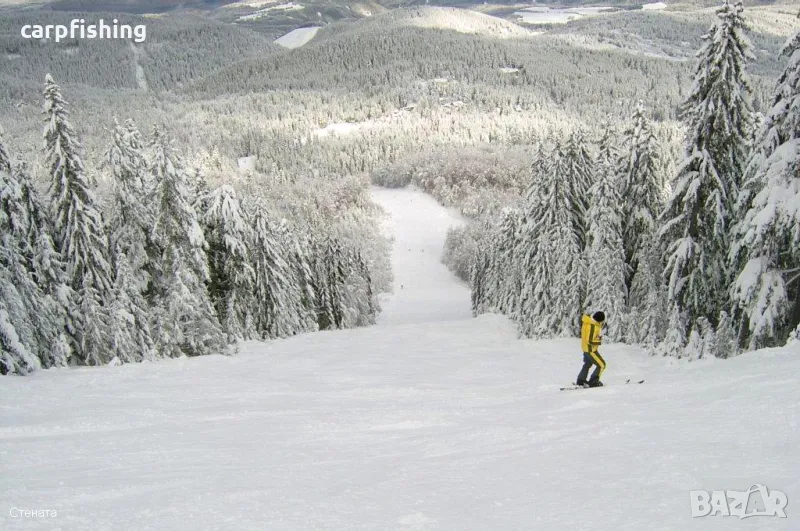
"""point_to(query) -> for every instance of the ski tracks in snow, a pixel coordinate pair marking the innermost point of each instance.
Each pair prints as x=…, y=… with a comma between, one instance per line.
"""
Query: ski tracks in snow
x=424, y=289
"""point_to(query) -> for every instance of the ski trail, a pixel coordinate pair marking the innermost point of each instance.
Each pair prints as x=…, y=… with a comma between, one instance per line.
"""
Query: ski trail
x=141, y=78
x=424, y=290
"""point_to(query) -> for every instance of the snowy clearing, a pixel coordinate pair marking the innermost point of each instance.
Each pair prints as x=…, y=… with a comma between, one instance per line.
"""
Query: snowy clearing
x=297, y=38
x=463, y=21
x=291, y=6
x=655, y=6
x=545, y=15
x=429, y=421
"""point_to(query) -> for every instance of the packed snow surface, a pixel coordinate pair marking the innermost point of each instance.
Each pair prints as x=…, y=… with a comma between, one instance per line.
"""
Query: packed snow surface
x=431, y=420
x=424, y=289
x=297, y=38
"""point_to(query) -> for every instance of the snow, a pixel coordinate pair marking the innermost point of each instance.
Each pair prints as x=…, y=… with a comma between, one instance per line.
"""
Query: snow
x=655, y=6
x=290, y=6
x=297, y=38
x=424, y=290
x=545, y=15
x=429, y=421
x=540, y=17
x=341, y=129
x=462, y=21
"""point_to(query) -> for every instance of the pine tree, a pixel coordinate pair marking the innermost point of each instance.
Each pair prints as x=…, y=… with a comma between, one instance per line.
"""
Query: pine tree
x=766, y=250
x=358, y=301
x=330, y=273
x=694, y=346
x=279, y=309
x=18, y=343
x=606, y=254
x=641, y=174
x=5, y=160
x=575, y=165
x=366, y=297
x=505, y=275
x=80, y=236
x=301, y=262
x=675, y=340
x=480, y=295
x=698, y=217
x=726, y=337
x=232, y=279
x=710, y=346
x=550, y=254
x=132, y=214
x=647, y=299
x=15, y=356
x=184, y=321
x=130, y=326
x=794, y=337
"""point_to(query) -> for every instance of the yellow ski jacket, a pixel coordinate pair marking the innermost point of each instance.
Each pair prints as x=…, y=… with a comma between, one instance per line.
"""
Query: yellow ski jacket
x=591, y=335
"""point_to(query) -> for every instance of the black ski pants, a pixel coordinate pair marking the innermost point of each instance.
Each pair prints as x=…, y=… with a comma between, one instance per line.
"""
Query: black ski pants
x=590, y=359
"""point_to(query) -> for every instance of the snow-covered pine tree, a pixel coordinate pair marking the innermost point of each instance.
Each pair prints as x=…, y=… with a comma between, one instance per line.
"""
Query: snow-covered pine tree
x=279, y=309
x=301, y=261
x=34, y=314
x=17, y=340
x=480, y=294
x=575, y=164
x=80, y=235
x=5, y=160
x=647, y=298
x=698, y=217
x=694, y=346
x=726, y=337
x=132, y=214
x=15, y=356
x=794, y=337
x=494, y=271
x=505, y=275
x=641, y=172
x=184, y=321
x=358, y=301
x=232, y=278
x=710, y=344
x=766, y=251
x=47, y=270
x=367, y=299
x=605, y=255
x=130, y=323
x=675, y=340
x=550, y=255
x=329, y=269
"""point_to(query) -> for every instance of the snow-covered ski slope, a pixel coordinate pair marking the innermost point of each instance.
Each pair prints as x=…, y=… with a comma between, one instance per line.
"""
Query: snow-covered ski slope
x=425, y=422
x=424, y=290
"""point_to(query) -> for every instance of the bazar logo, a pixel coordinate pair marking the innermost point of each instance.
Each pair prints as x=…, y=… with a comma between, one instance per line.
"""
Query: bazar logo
x=743, y=504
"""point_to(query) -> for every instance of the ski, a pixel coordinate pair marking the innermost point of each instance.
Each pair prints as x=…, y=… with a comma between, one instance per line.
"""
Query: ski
x=576, y=387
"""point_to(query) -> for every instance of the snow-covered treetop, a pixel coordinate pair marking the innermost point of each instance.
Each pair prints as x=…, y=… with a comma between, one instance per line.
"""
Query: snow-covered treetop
x=721, y=91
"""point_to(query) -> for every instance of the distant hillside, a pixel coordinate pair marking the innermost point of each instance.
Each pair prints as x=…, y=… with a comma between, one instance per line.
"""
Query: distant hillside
x=178, y=49
x=134, y=6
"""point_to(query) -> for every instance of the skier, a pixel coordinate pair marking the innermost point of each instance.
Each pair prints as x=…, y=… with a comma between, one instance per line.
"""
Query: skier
x=591, y=337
